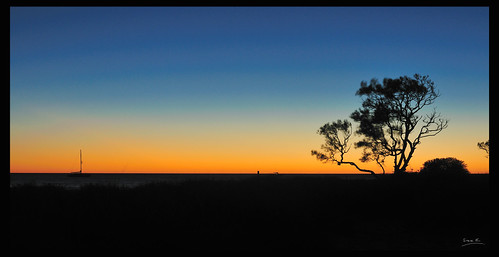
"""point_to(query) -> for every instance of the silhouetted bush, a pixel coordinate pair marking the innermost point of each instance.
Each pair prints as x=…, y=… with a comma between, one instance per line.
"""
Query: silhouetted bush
x=444, y=167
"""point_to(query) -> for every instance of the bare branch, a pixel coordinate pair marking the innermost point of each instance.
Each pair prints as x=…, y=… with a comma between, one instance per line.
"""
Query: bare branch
x=433, y=125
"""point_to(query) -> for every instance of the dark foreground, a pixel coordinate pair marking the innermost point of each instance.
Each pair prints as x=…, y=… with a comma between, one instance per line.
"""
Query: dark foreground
x=256, y=213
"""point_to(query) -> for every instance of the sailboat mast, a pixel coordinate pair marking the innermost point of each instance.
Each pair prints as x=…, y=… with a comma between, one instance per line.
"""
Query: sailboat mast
x=81, y=162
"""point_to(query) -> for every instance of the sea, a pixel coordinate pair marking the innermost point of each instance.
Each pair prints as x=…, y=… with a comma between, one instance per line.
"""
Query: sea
x=136, y=179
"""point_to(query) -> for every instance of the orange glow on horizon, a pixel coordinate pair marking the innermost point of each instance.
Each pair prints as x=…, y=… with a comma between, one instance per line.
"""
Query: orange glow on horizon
x=152, y=147
x=167, y=162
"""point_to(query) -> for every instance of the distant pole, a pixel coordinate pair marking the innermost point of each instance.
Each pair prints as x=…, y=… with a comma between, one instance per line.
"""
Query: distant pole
x=81, y=162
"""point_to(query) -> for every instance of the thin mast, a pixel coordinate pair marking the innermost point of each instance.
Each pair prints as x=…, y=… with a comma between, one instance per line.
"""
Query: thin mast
x=80, y=161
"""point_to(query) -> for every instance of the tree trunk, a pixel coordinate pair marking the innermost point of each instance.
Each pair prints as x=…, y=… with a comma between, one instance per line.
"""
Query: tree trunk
x=409, y=156
x=398, y=171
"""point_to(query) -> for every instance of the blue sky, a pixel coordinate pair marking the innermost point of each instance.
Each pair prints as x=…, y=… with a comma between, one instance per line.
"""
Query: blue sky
x=299, y=67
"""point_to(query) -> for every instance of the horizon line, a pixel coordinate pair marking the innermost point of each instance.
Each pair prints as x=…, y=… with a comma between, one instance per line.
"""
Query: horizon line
x=228, y=173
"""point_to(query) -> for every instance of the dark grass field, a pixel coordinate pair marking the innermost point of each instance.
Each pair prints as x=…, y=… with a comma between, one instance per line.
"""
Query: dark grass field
x=256, y=213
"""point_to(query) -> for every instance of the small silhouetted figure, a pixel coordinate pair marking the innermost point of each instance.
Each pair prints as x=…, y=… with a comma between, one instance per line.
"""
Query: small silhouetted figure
x=257, y=172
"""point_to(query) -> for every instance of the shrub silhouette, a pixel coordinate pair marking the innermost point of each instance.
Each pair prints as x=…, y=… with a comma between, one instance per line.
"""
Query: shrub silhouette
x=443, y=167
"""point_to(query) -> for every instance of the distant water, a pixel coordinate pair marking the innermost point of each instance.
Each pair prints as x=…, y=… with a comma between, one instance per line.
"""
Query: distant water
x=136, y=179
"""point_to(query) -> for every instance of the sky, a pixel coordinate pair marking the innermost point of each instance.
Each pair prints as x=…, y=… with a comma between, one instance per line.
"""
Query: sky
x=231, y=89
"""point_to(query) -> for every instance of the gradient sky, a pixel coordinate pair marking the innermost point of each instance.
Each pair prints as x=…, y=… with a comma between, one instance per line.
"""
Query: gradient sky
x=223, y=89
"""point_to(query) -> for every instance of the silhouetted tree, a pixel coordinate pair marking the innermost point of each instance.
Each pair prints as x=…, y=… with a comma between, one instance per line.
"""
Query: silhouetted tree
x=484, y=146
x=337, y=135
x=443, y=167
x=389, y=119
x=373, y=152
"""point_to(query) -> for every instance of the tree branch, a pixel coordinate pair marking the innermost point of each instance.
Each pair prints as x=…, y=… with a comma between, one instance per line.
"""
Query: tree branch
x=353, y=164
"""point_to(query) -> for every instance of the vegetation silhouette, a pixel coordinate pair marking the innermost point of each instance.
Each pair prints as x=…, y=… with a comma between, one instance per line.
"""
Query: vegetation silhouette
x=444, y=167
x=484, y=146
x=390, y=122
x=337, y=135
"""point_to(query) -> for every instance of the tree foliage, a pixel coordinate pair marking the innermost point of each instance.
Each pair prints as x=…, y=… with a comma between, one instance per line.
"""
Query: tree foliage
x=444, y=167
x=390, y=120
x=336, y=134
x=484, y=146
x=392, y=123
